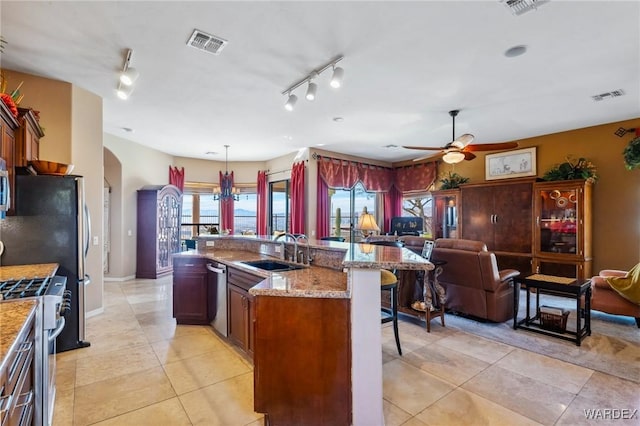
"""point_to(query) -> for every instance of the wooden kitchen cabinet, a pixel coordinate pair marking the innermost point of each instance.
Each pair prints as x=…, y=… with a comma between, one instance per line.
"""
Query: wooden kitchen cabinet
x=499, y=214
x=562, y=233
x=28, y=137
x=194, y=291
x=8, y=126
x=240, y=308
x=446, y=214
x=302, y=361
x=158, y=229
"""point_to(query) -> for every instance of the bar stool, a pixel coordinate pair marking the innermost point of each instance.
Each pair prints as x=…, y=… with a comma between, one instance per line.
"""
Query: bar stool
x=389, y=282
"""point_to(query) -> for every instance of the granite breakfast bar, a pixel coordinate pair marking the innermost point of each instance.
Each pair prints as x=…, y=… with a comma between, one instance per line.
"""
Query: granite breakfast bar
x=318, y=357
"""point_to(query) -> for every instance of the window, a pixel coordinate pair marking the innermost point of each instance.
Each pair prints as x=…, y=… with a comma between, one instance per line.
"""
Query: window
x=346, y=207
x=279, y=207
x=245, y=217
x=198, y=207
x=419, y=205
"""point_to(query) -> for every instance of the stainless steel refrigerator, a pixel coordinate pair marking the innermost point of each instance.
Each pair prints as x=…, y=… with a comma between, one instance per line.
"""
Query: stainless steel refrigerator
x=51, y=224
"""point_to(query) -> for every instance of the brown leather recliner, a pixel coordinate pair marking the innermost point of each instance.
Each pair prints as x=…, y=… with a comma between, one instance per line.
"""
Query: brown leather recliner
x=474, y=285
x=606, y=299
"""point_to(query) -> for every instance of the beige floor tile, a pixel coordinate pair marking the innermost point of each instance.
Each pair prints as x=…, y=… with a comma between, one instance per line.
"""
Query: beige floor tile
x=460, y=404
x=187, y=346
x=119, y=395
x=394, y=415
x=477, y=347
x=408, y=342
x=169, y=412
x=547, y=370
x=162, y=305
x=536, y=400
x=65, y=373
x=110, y=340
x=167, y=330
x=202, y=370
x=226, y=403
x=63, y=408
x=448, y=364
x=581, y=409
x=115, y=363
x=413, y=421
x=605, y=390
x=410, y=388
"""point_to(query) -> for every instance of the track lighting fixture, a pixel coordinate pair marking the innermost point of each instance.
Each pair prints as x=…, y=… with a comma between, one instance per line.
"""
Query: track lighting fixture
x=128, y=76
x=291, y=101
x=311, y=91
x=312, y=88
x=336, y=79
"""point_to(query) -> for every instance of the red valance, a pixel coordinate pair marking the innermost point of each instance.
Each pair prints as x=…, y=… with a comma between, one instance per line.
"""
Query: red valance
x=418, y=177
x=176, y=177
x=341, y=174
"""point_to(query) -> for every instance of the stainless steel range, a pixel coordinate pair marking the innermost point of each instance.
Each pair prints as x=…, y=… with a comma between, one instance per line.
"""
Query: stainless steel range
x=55, y=303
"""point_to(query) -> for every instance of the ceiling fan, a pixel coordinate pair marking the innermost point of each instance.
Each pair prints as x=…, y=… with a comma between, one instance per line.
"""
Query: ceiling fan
x=460, y=148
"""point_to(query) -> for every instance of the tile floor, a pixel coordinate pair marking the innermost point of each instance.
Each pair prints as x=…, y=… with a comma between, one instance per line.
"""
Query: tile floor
x=142, y=369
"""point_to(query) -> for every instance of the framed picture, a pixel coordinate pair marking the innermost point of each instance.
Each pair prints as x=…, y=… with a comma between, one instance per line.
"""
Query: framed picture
x=511, y=164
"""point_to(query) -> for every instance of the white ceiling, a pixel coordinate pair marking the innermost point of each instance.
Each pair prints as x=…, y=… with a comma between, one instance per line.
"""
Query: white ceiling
x=406, y=65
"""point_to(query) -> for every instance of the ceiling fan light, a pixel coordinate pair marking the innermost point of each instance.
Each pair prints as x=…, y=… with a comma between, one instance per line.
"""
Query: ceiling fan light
x=453, y=157
x=129, y=76
x=336, y=79
x=311, y=91
x=291, y=102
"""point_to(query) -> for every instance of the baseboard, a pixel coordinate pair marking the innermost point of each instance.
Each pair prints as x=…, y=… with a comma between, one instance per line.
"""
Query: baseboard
x=94, y=313
x=119, y=279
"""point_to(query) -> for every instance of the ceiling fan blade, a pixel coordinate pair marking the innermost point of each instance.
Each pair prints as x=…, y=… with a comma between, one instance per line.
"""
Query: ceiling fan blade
x=463, y=140
x=491, y=146
x=468, y=155
x=423, y=148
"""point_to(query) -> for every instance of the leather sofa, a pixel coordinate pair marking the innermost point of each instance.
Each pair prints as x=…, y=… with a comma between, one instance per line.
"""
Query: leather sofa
x=606, y=299
x=474, y=285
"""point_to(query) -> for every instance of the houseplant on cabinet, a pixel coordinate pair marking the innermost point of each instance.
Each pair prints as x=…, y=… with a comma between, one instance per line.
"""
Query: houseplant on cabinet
x=631, y=154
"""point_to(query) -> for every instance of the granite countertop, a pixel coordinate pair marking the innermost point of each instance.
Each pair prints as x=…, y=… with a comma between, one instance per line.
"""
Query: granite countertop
x=37, y=270
x=14, y=314
x=313, y=281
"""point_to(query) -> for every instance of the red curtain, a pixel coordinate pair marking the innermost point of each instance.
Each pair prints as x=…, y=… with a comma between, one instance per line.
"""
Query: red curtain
x=392, y=207
x=416, y=177
x=297, y=199
x=176, y=177
x=322, y=208
x=261, y=228
x=226, y=208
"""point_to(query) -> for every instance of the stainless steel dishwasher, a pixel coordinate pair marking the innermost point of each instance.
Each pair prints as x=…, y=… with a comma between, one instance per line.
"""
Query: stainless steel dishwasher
x=220, y=321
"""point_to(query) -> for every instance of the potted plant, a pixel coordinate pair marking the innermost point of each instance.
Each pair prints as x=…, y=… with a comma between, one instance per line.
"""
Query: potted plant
x=452, y=181
x=572, y=169
x=631, y=154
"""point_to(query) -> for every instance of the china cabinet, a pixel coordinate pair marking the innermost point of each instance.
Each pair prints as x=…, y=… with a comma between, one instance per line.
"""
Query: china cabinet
x=446, y=214
x=158, y=229
x=8, y=126
x=562, y=232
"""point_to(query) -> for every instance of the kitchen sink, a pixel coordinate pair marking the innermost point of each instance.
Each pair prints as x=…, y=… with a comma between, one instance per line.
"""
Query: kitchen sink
x=273, y=265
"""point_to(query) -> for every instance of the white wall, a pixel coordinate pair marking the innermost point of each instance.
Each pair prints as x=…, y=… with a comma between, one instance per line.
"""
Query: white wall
x=196, y=170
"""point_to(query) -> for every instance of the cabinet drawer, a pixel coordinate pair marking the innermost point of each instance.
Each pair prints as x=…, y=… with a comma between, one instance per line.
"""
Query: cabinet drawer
x=191, y=264
x=242, y=279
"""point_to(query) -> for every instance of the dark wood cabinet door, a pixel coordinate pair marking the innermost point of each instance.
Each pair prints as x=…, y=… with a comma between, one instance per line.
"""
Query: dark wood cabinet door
x=190, y=294
x=477, y=211
x=513, y=207
x=238, y=309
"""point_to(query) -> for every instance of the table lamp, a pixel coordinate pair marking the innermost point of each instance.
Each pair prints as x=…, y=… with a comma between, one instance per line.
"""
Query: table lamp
x=367, y=223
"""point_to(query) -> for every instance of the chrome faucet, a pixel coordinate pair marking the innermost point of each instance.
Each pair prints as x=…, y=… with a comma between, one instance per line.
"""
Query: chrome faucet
x=283, y=249
x=308, y=256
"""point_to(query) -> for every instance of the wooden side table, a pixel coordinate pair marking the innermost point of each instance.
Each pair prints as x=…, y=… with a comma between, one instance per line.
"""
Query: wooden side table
x=431, y=288
x=559, y=286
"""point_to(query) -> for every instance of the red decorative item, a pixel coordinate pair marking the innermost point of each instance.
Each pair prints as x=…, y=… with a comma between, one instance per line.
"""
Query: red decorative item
x=8, y=101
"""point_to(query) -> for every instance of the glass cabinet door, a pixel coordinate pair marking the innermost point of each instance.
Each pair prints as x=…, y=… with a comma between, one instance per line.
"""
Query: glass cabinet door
x=558, y=220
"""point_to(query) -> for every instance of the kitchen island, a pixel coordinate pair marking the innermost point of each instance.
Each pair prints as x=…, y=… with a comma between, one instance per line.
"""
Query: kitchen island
x=317, y=355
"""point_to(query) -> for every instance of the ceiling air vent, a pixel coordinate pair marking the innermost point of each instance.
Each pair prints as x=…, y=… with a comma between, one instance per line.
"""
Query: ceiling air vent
x=207, y=42
x=518, y=7
x=608, y=95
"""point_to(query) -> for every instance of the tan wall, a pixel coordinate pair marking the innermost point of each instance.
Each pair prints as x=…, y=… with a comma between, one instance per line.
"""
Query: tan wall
x=196, y=170
x=140, y=166
x=117, y=237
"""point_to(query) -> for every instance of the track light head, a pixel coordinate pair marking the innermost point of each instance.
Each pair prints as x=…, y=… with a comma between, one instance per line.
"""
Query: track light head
x=336, y=79
x=124, y=92
x=291, y=101
x=311, y=91
x=129, y=76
